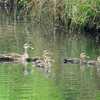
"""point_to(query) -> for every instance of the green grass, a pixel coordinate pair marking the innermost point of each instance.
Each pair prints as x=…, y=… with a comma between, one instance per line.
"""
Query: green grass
x=82, y=11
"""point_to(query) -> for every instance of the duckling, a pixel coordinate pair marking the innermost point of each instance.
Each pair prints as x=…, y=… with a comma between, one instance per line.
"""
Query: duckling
x=83, y=57
x=47, y=61
x=98, y=59
x=44, y=61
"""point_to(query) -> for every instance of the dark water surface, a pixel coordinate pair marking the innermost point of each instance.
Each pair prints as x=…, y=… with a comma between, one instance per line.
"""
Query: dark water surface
x=66, y=81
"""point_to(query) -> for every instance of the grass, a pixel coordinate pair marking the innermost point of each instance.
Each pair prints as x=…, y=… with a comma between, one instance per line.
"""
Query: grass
x=82, y=11
x=79, y=11
x=69, y=13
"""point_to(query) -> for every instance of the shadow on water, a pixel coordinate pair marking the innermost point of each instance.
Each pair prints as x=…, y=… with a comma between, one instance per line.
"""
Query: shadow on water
x=67, y=82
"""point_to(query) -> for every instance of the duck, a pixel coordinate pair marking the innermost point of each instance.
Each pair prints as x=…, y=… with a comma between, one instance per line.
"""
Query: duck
x=94, y=62
x=23, y=58
x=44, y=61
x=19, y=57
x=81, y=59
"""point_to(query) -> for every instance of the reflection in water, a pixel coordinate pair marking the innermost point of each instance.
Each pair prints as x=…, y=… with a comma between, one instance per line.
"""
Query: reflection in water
x=87, y=88
x=67, y=82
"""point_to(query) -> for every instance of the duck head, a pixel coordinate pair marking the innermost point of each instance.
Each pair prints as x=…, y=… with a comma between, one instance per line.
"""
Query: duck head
x=26, y=46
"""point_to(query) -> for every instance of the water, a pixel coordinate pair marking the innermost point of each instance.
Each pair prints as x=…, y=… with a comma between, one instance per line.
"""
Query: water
x=65, y=82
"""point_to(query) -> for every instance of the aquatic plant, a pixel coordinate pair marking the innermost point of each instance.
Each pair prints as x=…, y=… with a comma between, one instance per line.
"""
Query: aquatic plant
x=82, y=12
x=24, y=7
x=72, y=14
x=68, y=13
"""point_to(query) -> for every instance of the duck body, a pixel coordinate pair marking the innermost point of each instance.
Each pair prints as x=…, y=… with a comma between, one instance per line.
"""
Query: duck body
x=11, y=57
x=72, y=60
x=6, y=59
x=77, y=61
x=38, y=62
x=92, y=62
